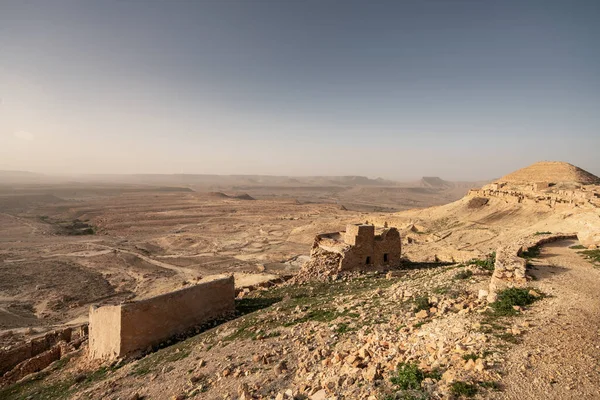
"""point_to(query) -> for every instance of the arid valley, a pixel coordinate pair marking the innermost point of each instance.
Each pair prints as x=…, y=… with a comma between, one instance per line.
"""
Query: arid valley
x=429, y=327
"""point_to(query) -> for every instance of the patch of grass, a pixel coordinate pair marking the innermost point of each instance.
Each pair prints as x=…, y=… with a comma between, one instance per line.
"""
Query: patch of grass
x=463, y=389
x=592, y=255
x=466, y=274
x=470, y=356
x=487, y=264
x=509, y=298
x=532, y=252
x=266, y=335
x=320, y=315
x=35, y=387
x=542, y=233
x=490, y=385
x=577, y=247
x=442, y=290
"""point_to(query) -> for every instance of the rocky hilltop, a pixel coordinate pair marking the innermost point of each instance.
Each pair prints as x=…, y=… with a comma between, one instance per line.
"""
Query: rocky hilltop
x=551, y=172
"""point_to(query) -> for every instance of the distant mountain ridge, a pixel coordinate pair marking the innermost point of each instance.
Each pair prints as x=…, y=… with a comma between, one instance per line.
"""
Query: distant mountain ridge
x=435, y=182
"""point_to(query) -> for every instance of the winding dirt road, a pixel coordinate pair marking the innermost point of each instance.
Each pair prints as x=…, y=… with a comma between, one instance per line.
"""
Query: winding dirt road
x=559, y=357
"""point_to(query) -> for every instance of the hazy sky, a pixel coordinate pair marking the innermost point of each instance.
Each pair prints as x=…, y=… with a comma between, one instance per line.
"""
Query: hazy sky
x=398, y=89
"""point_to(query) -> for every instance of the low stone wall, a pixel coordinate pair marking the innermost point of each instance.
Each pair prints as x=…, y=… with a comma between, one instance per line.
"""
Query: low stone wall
x=510, y=268
x=116, y=331
x=38, y=353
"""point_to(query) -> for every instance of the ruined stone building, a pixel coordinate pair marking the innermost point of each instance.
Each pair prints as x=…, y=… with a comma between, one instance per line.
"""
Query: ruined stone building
x=359, y=248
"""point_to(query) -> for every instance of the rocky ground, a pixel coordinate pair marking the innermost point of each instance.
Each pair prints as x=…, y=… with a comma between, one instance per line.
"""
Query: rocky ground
x=417, y=333
x=560, y=357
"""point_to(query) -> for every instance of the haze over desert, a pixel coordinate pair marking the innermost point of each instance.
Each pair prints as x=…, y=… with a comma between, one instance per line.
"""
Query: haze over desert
x=299, y=200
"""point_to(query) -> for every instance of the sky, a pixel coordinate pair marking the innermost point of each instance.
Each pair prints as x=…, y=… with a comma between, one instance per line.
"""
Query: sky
x=464, y=90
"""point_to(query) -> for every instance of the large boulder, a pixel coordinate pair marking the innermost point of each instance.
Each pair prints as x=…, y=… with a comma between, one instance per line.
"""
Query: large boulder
x=589, y=238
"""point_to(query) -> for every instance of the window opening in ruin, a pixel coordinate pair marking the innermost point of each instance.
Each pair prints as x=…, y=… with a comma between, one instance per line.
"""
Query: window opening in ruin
x=368, y=260
x=385, y=257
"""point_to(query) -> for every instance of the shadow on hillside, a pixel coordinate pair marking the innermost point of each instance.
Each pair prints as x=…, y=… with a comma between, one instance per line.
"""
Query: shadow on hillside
x=409, y=265
x=541, y=271
x=249, y=305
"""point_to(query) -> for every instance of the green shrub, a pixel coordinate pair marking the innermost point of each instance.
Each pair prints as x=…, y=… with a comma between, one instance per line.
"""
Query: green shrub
x=408, y=376
x=508, y=298
x=465, y=389
x=577, y=247
x=487, y=263
x=470, y=356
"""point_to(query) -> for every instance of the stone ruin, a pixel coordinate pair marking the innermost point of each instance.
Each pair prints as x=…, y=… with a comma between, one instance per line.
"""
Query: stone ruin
x=553, y=195
x=36, y=354
x=510, y=268
x=134, y=327
x=358, y=248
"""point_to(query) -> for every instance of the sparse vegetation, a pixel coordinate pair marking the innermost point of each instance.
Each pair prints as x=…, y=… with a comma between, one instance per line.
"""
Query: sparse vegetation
x=421, y=303
x=577, y=247
x=490, y=385
x=470, y=356
x=532, y=252
x=592, y=255
x=511, y=297
x=542, y=233
x=487, y=264
x=463, y=389
x=408, y=376
x=466, y=274
x=343, y=328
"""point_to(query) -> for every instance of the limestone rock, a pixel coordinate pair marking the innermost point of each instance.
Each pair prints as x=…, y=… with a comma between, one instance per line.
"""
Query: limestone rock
x=319, y=395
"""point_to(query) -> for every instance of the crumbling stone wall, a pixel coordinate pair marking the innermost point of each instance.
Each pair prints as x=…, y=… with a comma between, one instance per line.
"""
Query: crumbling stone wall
x=541, y=193
x=356, y=249
x=38, y=353
x=128, y=328
x=510, y=267
x=367, y=250
x=387, y=248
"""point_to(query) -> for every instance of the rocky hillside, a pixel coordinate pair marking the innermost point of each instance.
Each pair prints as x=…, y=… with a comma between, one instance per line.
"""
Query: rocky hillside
x=427, y=330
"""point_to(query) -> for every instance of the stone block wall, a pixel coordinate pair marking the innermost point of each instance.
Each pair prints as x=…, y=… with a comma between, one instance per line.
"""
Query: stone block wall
x=510, y=268
x=360, y=236
x=388, y=243
x=116, y=331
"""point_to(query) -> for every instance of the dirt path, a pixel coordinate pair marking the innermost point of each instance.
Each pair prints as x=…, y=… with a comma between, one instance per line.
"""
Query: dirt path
x=559, y=357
